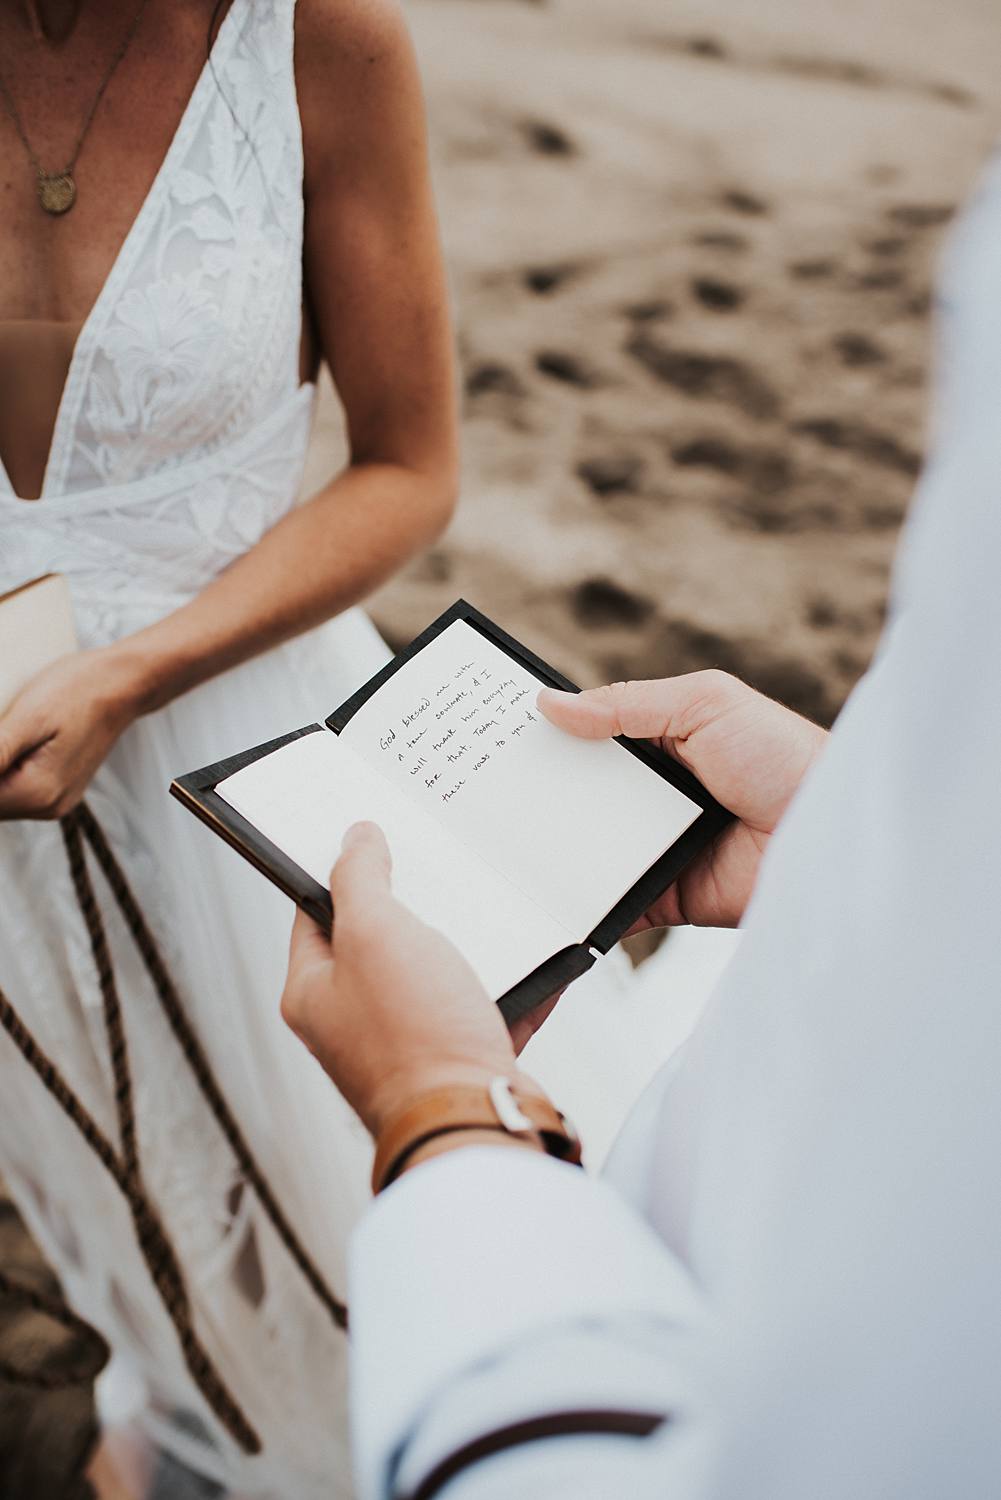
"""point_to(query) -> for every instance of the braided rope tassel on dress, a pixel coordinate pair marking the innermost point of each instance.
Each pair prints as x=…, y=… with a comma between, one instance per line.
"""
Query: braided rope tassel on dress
x=123, y=1166
x=157, y=1249
x=189, y=1044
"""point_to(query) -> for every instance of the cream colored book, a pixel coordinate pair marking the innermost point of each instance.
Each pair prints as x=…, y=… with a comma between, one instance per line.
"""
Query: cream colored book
x=36, y=629
x=533, y=850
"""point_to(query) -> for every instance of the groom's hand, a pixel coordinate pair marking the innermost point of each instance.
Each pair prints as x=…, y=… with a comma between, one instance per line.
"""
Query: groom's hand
x=388, y=1006
x=749, y=752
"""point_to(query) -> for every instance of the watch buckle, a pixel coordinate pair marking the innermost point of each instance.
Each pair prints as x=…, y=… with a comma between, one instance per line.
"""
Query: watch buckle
x=509, y=1112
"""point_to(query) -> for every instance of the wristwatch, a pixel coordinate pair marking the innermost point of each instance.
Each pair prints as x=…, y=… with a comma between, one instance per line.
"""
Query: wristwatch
x=495, y=1105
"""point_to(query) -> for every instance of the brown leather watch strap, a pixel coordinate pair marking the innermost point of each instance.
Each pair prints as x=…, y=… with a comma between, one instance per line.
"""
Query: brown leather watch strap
x=494, y=1105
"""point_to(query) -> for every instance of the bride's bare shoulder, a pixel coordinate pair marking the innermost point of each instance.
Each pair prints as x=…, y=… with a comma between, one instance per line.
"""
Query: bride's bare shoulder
x=359, y=92
x=349, y=24
x=351, y=58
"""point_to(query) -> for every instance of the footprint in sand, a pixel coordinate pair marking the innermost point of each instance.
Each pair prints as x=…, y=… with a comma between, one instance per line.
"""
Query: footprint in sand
x=489, y=378
x=599, y=604
x=542, y=280
x=547, y=139
x=870, y=443
x=568, y=369
x=718, y=377
x=821, y=612
x=705, y=46
x=884, y=516
x=921, y=215
x=718, y=296
x=763, y=468
x=612, y=474
x=743, y=202
x=920, y=305
x=858, y=350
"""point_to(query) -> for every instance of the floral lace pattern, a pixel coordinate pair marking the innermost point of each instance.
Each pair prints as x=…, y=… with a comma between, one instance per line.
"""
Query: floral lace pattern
x=182, y=429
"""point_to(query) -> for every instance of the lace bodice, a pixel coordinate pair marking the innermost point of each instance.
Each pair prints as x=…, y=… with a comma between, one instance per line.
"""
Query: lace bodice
x=182, y=428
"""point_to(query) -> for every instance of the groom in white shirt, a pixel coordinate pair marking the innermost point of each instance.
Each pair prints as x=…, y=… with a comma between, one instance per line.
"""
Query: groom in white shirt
x=788, y=1287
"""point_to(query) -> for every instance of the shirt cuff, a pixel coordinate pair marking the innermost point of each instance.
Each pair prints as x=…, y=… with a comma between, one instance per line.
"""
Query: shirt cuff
x=472, y=1253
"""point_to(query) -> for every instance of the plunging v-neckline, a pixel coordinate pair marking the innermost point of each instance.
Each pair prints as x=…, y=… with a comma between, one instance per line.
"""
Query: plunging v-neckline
x=124, y=258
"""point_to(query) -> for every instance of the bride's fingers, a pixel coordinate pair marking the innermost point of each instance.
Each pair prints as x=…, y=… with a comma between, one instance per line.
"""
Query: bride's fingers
x=18, y=740
x=31, y=790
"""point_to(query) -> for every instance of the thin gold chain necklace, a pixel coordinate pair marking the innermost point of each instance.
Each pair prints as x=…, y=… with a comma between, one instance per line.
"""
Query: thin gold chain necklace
x=57, y=190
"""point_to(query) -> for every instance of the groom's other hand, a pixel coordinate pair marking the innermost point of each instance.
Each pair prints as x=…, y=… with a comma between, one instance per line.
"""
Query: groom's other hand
x=748, y=751
x=388, y=1006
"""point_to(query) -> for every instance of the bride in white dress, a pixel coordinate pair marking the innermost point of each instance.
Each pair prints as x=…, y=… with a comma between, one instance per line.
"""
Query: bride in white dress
x=172, y=306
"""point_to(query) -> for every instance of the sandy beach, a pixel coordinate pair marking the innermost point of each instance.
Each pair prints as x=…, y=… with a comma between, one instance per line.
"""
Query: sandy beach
x=692, y=250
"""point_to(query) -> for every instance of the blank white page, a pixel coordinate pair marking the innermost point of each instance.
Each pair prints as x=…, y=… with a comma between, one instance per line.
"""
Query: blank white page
x=573, y=823
x=305, y=796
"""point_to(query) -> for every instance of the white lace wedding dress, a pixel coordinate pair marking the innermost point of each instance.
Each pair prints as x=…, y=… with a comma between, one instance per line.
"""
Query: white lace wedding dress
x=180, y=439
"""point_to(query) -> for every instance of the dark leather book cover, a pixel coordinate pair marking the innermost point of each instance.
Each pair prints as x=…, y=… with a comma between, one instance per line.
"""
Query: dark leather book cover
x=197, y=791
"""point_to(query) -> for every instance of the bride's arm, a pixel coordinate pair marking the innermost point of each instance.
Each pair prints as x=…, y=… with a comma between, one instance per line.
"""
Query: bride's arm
x=376, y=290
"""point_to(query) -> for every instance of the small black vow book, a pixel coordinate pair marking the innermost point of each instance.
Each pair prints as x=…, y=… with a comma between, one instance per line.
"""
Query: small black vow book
x=532, y=850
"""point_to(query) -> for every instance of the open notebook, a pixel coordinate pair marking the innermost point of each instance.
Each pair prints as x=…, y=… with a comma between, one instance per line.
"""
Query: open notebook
x=532, y=850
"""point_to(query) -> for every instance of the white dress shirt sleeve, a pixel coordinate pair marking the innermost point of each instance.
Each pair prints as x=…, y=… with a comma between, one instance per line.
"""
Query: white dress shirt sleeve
x=810, y=1292
x=517, y=1263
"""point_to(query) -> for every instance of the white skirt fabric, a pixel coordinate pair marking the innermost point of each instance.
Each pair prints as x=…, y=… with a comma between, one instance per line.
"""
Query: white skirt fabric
x=224, y=933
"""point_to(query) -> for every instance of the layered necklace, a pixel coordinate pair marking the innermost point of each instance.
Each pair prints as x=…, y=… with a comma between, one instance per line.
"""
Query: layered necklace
x=57, y=190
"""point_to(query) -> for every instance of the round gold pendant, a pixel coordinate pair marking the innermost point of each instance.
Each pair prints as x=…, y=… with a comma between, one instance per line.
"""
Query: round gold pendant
x=57, y=192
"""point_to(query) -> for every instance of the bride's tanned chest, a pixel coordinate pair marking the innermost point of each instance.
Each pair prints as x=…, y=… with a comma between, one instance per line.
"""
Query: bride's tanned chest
x=53, y=267
x=86, y=129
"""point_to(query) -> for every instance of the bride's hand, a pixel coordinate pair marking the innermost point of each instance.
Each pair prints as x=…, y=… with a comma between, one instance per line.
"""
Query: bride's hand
x=749, y=752
x=59, y=729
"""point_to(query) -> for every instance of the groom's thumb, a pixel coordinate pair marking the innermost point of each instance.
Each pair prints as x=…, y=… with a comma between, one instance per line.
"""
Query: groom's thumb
x=361, y=877
x=640, y=709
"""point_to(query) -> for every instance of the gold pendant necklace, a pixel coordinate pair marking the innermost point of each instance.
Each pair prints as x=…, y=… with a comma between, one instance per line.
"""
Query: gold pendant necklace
x=57, y=190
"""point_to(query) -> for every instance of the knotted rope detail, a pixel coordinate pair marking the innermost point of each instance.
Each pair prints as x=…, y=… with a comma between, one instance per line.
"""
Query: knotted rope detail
x=79, y=828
